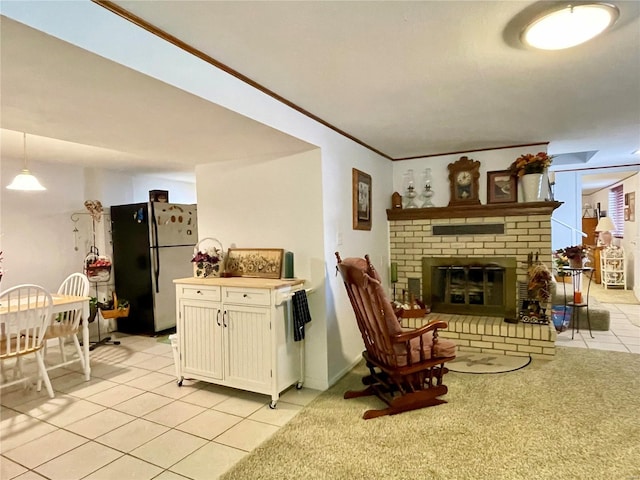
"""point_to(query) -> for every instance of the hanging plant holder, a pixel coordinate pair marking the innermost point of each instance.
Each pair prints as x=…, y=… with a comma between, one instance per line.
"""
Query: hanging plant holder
x=97, y=267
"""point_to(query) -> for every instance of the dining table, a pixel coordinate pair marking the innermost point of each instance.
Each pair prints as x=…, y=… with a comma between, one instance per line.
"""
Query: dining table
x=63, y=303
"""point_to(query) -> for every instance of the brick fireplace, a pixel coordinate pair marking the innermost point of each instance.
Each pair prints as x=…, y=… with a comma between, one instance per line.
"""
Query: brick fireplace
x=468, y=236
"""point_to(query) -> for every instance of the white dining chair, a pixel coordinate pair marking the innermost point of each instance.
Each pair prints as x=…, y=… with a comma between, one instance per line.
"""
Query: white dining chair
x=67, y=324
x=25, y=313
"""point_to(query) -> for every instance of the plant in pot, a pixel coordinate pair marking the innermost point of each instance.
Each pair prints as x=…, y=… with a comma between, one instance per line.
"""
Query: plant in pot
x=576, y=255
x=114, y=308
x=569, y=257
x=530, y=168
x=93, y=308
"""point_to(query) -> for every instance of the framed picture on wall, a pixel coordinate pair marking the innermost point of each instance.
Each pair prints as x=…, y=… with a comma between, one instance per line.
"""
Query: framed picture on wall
x=502, y=187
x=361, y=191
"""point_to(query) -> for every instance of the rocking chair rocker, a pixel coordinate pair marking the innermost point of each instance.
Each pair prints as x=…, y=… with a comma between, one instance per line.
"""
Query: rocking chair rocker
x=406, y=365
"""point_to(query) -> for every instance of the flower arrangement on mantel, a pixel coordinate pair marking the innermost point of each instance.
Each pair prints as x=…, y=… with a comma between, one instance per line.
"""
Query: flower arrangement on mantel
x=530, y=163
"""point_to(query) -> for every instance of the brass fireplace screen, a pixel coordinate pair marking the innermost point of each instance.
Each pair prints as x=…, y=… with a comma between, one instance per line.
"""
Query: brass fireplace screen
x=470, y=286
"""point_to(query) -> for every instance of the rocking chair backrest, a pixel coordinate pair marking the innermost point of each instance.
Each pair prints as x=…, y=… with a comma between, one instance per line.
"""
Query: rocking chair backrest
x=373, y=310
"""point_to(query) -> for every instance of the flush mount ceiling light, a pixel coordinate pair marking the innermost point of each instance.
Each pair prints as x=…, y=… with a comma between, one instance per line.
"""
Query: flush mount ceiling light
x=569, y=25
x=25, y=179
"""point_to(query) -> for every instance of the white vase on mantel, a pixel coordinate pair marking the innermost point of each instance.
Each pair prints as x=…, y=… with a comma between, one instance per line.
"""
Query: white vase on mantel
x=532, y=187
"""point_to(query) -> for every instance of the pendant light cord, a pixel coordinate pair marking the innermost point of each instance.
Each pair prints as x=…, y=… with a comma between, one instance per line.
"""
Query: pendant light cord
x=24, y=150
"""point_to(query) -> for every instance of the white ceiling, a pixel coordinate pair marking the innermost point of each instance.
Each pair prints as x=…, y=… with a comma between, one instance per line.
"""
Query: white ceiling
x=406, y=78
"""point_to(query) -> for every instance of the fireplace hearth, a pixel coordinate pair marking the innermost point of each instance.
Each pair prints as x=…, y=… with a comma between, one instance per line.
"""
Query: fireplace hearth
x=470, y=286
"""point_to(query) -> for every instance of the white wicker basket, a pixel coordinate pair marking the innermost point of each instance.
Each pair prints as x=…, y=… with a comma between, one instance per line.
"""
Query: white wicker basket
x=203, y=268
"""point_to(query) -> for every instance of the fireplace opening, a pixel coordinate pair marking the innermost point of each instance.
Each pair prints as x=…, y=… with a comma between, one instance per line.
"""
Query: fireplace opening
x=470, y=286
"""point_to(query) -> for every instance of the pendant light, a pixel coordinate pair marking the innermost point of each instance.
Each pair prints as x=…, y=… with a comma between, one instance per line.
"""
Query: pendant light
x=25, y=180
x=570, y=25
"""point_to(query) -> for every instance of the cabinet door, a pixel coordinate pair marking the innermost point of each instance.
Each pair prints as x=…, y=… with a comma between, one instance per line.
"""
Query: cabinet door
x=589, y=227
x=247, y=342
x=200, y=336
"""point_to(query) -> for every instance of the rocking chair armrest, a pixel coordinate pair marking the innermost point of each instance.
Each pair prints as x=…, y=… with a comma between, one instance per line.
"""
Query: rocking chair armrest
x=418, y=332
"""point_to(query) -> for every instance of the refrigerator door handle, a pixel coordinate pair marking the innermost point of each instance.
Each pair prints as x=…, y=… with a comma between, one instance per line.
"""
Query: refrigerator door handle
x=156, y=257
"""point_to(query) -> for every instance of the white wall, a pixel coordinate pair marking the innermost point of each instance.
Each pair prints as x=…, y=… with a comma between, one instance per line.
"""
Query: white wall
x=490, y=160
x=601, y=196
x=339, y=157
x=179, y=191
x=568, y=189
x=37, y=232
x=41, y=221
x=37, y=228
x=91, y=27
x=275, y=204
x=302, y=203
x=631, y=238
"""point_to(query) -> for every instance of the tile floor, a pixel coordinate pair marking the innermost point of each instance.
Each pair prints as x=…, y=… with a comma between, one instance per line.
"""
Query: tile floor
x=131, y=420
x=623, y=334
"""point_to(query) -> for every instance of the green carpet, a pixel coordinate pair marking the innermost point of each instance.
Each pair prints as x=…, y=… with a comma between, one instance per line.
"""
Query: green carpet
x=575, y=417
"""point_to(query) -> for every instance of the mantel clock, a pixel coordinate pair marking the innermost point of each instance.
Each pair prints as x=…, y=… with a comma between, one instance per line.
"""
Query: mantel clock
x=463, y=182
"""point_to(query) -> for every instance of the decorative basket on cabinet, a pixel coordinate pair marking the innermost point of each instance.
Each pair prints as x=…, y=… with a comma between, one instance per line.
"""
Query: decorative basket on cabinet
x=208, y=258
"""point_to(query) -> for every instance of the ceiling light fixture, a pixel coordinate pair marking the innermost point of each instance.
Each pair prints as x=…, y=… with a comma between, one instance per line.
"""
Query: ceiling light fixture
x=25, y=179
x=569, y=25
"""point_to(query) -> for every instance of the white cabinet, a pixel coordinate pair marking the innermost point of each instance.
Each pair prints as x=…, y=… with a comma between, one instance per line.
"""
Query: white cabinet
x=613, y=267
x=247, y=346
x=199, y=328
x=238, y=333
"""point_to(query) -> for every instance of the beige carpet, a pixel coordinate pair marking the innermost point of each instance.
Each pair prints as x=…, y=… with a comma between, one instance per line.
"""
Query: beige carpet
x=575, y=417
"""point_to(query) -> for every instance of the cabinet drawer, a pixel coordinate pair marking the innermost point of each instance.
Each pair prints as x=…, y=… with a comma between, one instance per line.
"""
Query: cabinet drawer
x=247, y=296
x=203, y=293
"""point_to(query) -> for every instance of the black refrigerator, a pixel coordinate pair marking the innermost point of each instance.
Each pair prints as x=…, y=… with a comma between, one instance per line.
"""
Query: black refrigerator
x=152, y=245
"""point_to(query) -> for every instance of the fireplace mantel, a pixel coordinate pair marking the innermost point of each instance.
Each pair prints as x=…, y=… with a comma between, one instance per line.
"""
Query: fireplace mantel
x=466, y=211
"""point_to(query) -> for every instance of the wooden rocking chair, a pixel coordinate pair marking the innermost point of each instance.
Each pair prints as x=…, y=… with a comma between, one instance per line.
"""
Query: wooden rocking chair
x=406, y=366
